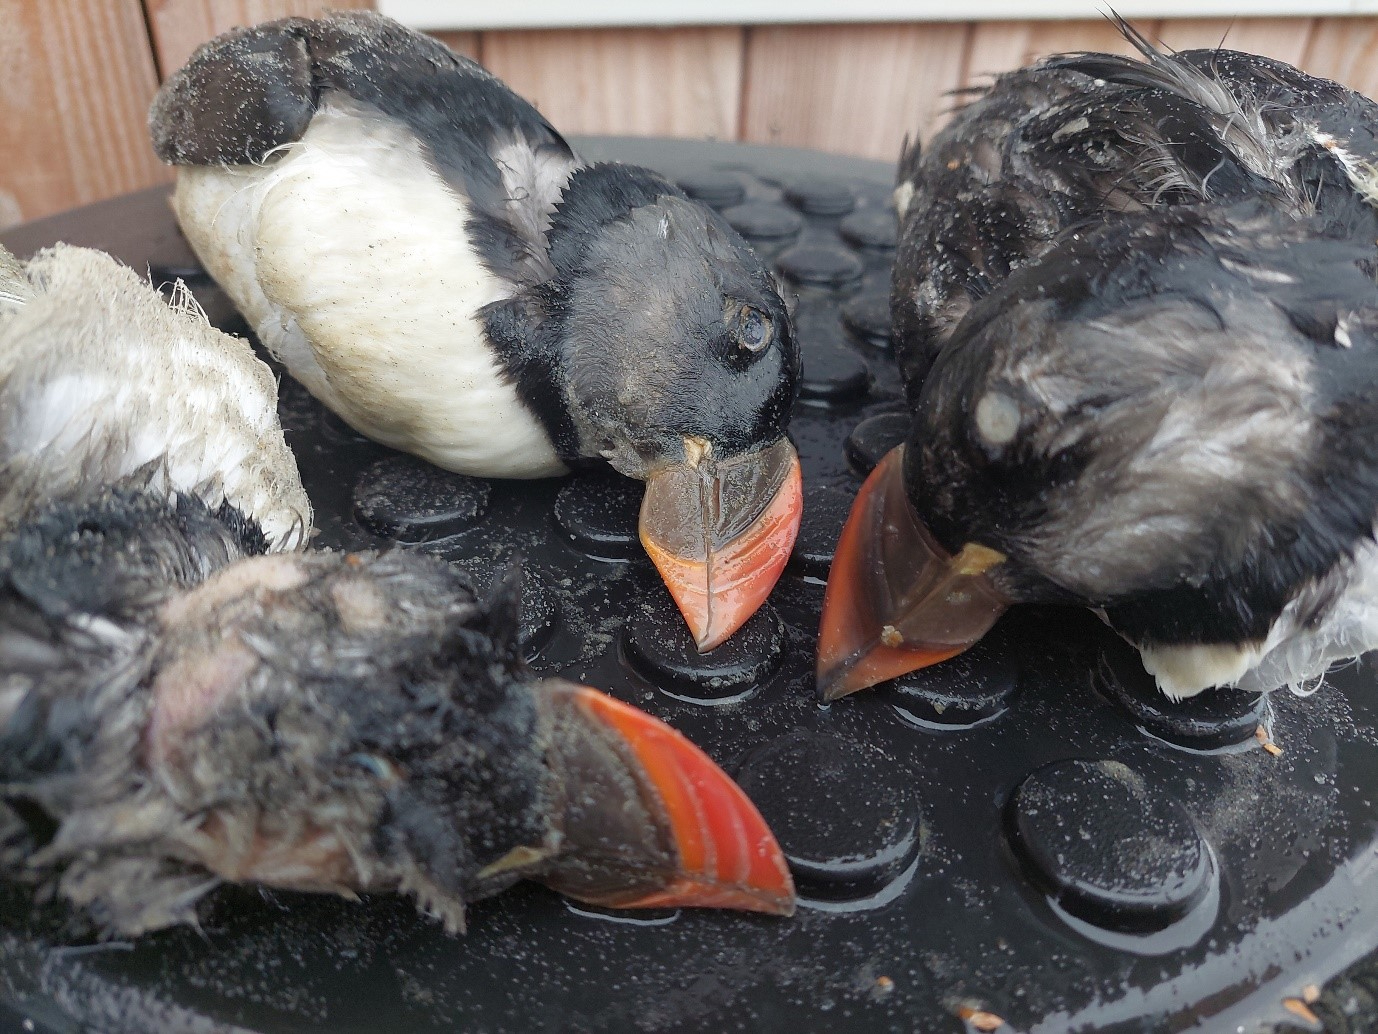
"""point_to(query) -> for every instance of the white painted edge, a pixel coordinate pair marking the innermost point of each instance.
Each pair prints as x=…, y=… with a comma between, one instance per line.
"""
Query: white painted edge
x=525, y=14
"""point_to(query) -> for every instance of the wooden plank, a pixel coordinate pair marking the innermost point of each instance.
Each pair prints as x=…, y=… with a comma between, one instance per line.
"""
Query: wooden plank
x=1001, y=46
x=78, y=80
x=853, y=89
x=1343, y=49
x=551, y=14
x=677, y=82
x=180, y=26
x=1282, y=38
x=466, y=43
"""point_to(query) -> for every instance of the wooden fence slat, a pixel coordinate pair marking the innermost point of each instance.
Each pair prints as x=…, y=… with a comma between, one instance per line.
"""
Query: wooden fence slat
x=466, y=43
x=80, y=74
x=1346, y=50
x=1001, y=46
x=855, y=89
x=180, y=26
x=77, y=84
x=1283, y=38
x=675, y=82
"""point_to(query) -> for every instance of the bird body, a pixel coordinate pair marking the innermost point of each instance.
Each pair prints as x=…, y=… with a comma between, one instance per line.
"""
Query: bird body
x=411, y=367
x=186, y=700
x=97, y=385
x=428, y=256
x=1135, y=306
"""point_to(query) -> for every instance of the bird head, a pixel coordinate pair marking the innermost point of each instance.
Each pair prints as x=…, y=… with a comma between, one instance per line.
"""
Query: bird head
x=677, y=365
x=365, y=722
x=1149, y=422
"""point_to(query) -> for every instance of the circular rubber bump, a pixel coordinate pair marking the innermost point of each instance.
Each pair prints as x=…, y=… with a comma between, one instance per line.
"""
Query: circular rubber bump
x=845, y=813
x=657, y=644
x=873, y=438
x=868, y=317
x=539, y=616
x=825, y=511
x=819, y=264
x=818, y=195
x=870, y=228
x=598, y=512
x=832, y=371
x=540, y=604
x=1110, y=849
x=764, y=220
x=1211, y=720
x=976, y=686
x=408, y=500
x=715, y=188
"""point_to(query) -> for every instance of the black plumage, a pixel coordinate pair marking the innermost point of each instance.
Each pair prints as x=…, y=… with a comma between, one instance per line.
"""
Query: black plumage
x=423, y=250
x=1135, y=309
x=186, y=700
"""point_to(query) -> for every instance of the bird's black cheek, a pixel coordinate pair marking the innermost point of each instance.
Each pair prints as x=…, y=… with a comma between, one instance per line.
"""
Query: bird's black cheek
x=775, y=412
x=429, y=836
x=736, y=410
x=764, y=396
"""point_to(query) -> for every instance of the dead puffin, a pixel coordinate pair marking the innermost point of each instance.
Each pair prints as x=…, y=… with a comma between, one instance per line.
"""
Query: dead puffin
x=186, y=700
x=1135, y=308
x=427, y=255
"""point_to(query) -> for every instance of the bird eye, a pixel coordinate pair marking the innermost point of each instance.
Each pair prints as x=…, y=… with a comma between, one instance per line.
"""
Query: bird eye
x=754, y=330
x=998, y=418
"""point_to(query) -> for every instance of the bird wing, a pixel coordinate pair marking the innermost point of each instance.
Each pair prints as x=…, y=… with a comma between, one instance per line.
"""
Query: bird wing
x=250, y=92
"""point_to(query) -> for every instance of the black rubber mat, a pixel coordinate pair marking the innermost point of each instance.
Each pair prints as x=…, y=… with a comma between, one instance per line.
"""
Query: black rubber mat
x=1025, y=838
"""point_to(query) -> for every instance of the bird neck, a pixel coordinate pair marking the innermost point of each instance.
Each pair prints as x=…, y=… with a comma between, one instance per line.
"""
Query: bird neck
x=528, y=333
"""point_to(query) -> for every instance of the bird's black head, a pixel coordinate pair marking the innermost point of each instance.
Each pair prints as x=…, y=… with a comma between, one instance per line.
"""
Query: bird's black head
x=1148, y=421
x=661, y=345
x=669, y=327
x=1167, y=417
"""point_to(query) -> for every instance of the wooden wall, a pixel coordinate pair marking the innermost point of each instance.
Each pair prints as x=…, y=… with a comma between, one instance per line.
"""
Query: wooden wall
x=79, y=75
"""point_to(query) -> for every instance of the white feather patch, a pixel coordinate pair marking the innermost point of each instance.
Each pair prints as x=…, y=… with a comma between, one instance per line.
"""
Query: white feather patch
x=350, y=257
x=1184, y=671
x=99, y=380
x=1296, y=653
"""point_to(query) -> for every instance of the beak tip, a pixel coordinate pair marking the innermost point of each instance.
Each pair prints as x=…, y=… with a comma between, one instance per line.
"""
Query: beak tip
x=707, y=641
x=834, y=687
x=727, y=856
x=720, y=588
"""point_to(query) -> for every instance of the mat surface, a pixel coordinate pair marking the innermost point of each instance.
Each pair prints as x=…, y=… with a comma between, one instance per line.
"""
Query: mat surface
x=1027, y=834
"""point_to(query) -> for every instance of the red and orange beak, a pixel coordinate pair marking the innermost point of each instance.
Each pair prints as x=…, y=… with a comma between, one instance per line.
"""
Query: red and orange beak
x=721, y=531
x=691, y=838
x=896, y=600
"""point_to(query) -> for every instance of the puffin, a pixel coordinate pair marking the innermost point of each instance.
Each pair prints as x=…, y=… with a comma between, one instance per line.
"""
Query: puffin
x=190, y=696
x=101, y=381
x=429, y=257
x=1135, y=311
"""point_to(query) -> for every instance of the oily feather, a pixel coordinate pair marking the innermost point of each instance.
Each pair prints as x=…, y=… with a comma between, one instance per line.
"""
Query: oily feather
x=100, y=381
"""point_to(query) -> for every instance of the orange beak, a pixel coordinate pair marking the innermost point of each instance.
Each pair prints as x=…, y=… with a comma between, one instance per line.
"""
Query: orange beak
x=707, y=846
x=721, y=531
x=896, y=600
